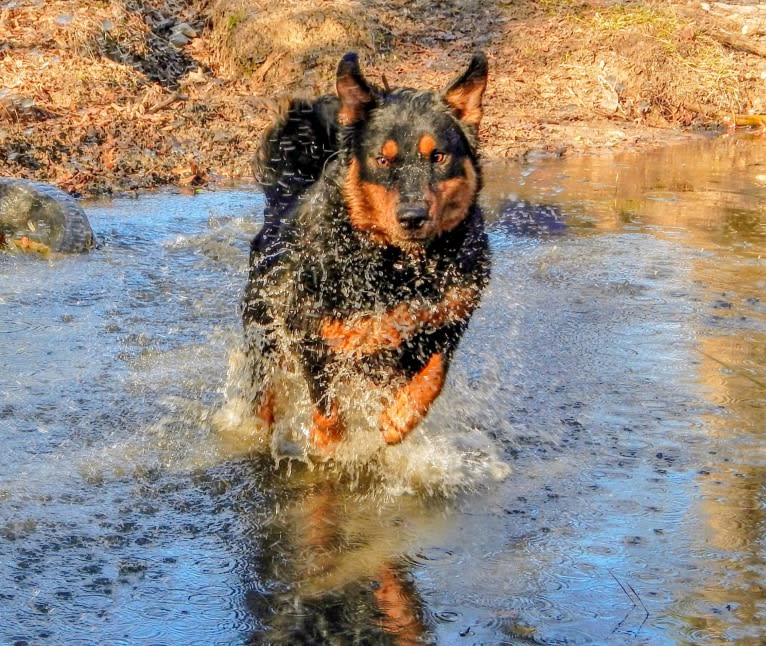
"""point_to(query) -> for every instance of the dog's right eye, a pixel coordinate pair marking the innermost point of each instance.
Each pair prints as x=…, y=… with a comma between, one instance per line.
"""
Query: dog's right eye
x=383, y=162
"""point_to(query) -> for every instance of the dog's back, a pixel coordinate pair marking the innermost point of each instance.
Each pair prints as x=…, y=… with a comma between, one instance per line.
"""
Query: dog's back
x=294, y=150
x=292, y=155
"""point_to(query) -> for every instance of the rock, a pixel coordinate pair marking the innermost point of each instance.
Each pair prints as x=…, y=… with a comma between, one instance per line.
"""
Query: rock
x=182, y=34
x=38, y=217
x=178, y=39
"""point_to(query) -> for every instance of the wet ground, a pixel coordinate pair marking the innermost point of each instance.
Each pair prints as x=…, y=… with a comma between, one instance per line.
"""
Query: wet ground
x=594, y=472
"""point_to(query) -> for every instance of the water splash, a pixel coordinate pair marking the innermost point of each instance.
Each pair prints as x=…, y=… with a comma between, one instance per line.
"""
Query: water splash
x=442, y=457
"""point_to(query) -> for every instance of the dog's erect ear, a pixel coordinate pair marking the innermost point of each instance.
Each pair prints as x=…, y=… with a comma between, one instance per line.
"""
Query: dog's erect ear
x=355, y=95
x=464, y=94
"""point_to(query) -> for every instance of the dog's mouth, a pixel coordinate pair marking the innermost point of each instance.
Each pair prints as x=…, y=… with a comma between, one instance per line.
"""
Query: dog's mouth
x=421, y=235
x=415, y=223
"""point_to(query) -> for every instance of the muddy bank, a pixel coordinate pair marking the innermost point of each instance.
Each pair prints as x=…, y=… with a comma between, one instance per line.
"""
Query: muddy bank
x=133, y=94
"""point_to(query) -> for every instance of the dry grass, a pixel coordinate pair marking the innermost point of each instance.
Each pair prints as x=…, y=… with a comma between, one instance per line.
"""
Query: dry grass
x=285, y=43
x=686, y=67
x=105, y=96
x=54, y=63
x=96, y=98
x=626, y=65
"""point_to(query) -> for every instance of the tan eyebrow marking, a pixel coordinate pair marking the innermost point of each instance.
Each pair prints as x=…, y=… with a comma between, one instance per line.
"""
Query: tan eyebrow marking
x=426, y=145
x=390, y=149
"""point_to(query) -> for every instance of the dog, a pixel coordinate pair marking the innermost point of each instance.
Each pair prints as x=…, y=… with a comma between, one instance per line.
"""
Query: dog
x=373, y=254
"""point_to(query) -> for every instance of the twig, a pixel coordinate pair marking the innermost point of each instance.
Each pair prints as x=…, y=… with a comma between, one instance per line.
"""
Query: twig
x=272, y=59
x=631, y=598
x=725, y=38
x=166, y=102
x=735, y=369
x=738, y=43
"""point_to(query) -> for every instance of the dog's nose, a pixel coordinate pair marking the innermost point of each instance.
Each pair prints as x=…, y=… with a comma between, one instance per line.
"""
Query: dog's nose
x=412, y=217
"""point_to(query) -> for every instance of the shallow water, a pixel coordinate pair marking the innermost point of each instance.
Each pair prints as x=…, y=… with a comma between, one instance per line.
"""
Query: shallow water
x=617, y=366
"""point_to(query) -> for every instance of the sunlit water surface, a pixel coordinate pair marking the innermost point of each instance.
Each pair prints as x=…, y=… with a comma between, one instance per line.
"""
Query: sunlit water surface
x=593, y=473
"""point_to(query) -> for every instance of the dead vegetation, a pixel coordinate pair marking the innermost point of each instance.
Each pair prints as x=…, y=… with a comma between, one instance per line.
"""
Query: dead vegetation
x=129, y=94
x=297, y=43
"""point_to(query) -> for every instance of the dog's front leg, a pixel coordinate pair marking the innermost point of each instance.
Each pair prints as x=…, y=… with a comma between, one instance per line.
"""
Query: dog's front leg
x=327, y=426
x=262, y=357
x=263, y=408
x=411, y=402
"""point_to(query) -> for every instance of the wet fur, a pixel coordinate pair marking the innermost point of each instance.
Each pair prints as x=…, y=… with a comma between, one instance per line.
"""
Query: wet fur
x=373, y=254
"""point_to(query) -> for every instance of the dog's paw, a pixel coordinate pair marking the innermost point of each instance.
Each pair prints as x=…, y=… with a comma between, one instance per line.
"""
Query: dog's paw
x=263, y=408
x=326, y=430
x=397, y=422
x=413, y=401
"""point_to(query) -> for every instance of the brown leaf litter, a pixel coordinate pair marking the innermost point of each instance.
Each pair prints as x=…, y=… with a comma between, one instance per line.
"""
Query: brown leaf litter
x=131, y=94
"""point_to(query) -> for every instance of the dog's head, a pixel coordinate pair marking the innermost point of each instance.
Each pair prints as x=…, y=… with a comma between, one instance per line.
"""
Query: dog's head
x=412, y=171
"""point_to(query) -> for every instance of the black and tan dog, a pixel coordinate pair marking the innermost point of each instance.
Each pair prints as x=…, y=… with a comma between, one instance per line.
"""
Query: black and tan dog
x=373, y=254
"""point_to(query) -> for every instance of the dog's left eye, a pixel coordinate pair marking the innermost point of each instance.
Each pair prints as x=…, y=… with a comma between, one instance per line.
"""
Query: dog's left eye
x=438, y=157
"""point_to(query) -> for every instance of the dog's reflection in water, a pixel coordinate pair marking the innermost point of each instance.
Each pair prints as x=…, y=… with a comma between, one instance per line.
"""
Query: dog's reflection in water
x=331, y=566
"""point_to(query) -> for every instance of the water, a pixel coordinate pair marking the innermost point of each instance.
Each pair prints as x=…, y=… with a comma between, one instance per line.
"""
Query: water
x=593, y=473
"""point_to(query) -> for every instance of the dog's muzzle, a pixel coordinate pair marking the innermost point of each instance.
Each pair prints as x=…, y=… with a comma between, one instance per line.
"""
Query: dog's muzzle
x=412, y=217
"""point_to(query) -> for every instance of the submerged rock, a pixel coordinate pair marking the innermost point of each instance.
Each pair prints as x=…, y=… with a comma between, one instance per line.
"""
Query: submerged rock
x=42, y=218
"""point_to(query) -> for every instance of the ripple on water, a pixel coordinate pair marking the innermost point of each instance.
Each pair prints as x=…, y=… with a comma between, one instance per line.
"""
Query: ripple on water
x=208, y=596
x=433, y=554
x=445, y=616
x=17, y=325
